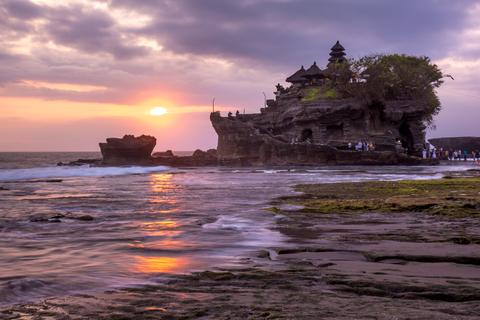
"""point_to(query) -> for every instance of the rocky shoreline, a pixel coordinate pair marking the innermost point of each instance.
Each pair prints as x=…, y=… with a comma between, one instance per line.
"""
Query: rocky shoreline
x=131, y=150
x=370, y=250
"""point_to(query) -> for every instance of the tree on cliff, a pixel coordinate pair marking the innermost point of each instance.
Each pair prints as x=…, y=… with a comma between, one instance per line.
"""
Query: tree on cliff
x=379, y=78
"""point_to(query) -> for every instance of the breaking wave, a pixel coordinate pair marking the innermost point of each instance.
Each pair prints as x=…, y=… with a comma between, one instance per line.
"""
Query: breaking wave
x=66, y=172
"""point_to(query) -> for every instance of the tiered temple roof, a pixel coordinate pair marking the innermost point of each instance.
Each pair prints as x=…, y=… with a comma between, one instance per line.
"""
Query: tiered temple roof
x=314, y=72
x=302, y=76
x=337, y=53
x=297, y=77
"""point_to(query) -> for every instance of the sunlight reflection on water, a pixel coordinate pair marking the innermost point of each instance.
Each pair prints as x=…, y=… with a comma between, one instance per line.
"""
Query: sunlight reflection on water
x=161, y=264
x=162, y=234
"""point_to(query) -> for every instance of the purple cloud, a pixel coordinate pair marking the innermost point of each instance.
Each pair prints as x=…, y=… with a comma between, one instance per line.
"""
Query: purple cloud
x=256, y=44
x=21, y=9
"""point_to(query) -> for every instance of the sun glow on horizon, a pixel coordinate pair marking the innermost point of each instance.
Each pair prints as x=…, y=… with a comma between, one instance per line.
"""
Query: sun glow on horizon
x=158, y=111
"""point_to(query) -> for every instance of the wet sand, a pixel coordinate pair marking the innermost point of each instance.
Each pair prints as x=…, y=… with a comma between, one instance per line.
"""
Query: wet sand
x=358, y=263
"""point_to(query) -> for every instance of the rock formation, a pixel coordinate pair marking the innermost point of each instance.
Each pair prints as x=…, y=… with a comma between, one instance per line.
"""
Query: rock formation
x=310, y=123
x=198, y=158
x=131, y=150
x=128, y=150
x=165, y=154
x=457, y=143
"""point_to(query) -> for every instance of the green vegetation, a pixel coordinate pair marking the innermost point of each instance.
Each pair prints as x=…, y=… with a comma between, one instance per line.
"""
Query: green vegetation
x=379, y=78
x=315, y=93
x=454, y=196
x=311, y=94
x=330, y=94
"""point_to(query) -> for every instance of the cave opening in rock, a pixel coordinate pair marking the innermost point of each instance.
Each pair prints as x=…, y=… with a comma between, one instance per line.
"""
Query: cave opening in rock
x=406, y=136
x=307, y=135
x=335, y=132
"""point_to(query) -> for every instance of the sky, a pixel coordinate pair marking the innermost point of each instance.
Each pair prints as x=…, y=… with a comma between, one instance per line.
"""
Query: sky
x=74, y=72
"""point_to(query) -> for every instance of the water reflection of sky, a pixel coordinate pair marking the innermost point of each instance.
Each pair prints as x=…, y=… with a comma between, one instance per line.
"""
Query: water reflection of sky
x=163, y=190
x=163, y=233
x=166, y=222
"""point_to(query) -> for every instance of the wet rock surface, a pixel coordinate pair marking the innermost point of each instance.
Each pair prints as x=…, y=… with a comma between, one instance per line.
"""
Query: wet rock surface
x=59, y=217
x=81, y=162
x=352, y=264
x=457, y=196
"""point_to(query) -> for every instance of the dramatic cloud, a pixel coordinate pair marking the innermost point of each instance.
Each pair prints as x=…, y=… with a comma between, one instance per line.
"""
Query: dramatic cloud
x=91, y=31
x=186, y=52
x=22, y=9
x=279, y=31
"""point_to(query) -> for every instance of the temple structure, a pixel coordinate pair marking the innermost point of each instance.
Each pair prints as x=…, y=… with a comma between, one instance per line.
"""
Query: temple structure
x=310, y=123
x=337, y=55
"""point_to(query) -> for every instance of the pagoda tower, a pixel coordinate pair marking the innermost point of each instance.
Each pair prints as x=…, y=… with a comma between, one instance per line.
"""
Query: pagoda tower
x=337, y=54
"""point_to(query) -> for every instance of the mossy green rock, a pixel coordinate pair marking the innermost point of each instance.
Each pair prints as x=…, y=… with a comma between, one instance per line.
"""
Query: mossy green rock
x=453, y=196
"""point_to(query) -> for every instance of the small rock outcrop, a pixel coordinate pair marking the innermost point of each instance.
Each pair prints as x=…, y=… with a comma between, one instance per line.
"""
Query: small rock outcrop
x=198, y=158
x=81, y=162
x=128, y=150
x=164, y=154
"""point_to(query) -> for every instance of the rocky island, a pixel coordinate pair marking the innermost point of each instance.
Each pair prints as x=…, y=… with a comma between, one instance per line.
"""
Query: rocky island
x=325, y=113
x=129, y=149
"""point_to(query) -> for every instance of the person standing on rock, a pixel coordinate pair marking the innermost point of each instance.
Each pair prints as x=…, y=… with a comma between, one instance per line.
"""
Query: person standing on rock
x=358, y=146
x=424, y=153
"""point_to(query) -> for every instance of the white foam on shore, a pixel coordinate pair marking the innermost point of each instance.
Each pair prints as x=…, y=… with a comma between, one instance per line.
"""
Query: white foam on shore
x=66, y=172
x=255, y=233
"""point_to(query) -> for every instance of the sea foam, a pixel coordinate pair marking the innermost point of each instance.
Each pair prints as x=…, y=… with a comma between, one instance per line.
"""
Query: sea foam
x=81, y=171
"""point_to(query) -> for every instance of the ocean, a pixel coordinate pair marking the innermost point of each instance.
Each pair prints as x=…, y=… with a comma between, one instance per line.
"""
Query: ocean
x=66, y=230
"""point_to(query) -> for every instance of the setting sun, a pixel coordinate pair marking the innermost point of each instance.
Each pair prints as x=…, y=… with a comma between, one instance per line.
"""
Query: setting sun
x=158, y=111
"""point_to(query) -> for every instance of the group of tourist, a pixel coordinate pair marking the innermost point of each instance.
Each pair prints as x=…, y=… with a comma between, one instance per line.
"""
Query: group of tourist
x=430, y=152
x=362, y=146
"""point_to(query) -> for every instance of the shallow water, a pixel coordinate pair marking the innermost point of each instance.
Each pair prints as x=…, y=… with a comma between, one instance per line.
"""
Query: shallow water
x=146, y=221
